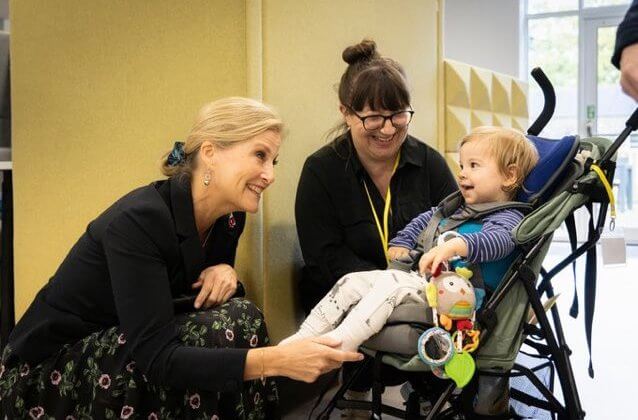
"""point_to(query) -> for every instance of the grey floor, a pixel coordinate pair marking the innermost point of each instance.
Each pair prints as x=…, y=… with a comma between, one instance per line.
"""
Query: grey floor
x=610, y=394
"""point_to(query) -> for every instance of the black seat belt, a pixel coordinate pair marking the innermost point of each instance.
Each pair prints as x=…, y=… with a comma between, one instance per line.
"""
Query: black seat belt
x=570, y=224
x=590, y=286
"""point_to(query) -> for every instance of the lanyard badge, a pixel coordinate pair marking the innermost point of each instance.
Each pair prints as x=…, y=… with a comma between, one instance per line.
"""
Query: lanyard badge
x=383, y=230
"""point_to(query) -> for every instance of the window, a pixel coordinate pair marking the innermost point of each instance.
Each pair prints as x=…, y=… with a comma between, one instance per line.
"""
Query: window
x=558, y=36
x=572, y=41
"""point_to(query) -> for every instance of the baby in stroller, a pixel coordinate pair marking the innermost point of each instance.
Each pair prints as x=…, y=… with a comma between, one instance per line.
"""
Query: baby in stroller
x=494, y=162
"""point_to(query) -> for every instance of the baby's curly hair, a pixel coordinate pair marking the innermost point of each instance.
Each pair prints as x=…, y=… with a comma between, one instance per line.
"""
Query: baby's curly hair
x=509, y=147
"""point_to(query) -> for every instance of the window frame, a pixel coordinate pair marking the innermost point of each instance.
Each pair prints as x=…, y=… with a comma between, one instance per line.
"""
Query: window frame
x=583, y=14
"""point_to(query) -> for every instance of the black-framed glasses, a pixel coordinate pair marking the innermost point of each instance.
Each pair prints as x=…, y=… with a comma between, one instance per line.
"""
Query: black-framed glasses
x=374, y=122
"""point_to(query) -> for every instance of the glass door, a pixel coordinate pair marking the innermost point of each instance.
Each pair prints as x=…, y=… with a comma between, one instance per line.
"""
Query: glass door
x=604, y=110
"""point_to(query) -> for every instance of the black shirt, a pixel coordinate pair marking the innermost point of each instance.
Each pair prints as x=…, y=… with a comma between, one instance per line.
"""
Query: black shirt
x=125, y=270
x=627, y=33
x=336, y=227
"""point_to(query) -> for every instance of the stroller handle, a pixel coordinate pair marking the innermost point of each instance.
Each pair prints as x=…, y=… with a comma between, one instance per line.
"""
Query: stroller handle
x=630, y=125
x=549, y=105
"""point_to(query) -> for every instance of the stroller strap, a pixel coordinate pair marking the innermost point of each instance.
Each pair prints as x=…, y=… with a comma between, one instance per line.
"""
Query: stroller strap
x=448, y=209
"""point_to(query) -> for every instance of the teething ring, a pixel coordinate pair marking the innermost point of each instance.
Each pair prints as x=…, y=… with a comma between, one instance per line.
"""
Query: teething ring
x=435, y=347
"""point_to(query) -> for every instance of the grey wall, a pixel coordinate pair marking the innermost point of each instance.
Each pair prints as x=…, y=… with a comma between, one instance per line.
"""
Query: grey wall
x=484, y=33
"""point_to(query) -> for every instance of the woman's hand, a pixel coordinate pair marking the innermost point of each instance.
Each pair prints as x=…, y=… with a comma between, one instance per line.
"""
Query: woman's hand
x=397, y=252
x=218, y=283
x=442, y=253
x=303, y=360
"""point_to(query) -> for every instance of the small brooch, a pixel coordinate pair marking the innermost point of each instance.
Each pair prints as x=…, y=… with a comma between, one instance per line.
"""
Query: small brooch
x=231, y=221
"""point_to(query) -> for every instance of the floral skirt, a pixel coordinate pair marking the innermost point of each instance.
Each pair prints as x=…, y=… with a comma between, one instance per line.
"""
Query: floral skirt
x=95, y=378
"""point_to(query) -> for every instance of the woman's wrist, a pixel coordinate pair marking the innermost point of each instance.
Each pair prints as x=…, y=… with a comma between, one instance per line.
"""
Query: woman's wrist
x=262, y=363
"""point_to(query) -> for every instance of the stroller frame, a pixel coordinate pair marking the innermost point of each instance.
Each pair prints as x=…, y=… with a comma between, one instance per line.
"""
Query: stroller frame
x=555, y=348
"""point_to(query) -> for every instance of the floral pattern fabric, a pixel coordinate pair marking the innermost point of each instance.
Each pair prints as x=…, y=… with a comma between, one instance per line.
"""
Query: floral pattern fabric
x=95, y=378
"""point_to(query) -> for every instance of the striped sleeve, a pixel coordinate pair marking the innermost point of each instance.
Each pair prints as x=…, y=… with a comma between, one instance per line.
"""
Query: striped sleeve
x=494, y=241
x=408, y=236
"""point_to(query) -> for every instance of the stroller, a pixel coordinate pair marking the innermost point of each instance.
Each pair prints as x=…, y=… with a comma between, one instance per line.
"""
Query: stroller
x=571, y=173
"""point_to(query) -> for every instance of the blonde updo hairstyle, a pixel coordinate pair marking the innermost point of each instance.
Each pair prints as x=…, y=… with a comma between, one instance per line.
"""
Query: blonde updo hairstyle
x=224, y=122
x=508, y=147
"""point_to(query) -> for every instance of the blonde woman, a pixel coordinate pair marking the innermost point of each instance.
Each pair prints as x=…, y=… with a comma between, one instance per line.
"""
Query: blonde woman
x=102, y=338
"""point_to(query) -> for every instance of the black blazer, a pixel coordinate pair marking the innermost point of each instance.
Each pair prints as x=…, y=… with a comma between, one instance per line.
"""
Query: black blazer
x=125, y=270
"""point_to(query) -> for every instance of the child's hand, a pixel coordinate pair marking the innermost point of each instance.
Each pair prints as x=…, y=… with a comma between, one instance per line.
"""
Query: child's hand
x=442, y=253
x=397, y=252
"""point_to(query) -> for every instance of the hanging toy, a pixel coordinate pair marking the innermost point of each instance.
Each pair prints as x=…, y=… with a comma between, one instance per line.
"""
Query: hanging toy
x=455, y=297
x=435, y=347
x=452, y=299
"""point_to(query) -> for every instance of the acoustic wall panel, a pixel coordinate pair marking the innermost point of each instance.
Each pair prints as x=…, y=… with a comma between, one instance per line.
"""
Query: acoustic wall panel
x=474, y=97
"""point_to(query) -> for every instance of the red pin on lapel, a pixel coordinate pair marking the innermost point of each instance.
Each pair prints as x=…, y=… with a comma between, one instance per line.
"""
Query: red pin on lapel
x=231, y=221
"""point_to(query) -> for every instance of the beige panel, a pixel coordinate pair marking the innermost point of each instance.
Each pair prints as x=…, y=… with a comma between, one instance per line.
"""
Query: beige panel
x=250, y=254
x=457, y=84
x=520, y=123
x=457, y=124
x=492, y=99
x=100, y=89
x=501, y=89
x=519, y=98
x=303, y=41
x=452, y=159
x=480, y=87
x=479, y=118
x=502, y=120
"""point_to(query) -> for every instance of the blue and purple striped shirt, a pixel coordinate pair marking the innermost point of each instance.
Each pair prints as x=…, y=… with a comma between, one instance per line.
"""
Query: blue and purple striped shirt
x=493, y=242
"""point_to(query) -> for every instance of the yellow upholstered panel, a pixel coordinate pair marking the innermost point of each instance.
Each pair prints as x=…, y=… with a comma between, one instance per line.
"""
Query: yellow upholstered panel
x=100, y=89
x=519, y=99
x=473, y=97
x=302, y=45
x=480, y=89
x=502, y=120
x=457, y=124
x=479, y=118
x=457, y=85
x=501, y=88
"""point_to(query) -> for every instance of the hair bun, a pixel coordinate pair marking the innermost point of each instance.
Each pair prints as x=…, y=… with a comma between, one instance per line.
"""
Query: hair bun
x=363, y=51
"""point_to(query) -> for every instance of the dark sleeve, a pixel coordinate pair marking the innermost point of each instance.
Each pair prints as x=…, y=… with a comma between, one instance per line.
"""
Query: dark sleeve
x=627, y=33
x=144, y=307
x=326, y=255
x=442, y=181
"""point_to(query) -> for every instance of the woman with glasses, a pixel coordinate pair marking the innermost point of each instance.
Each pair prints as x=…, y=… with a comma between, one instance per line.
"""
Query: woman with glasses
x=369, y=182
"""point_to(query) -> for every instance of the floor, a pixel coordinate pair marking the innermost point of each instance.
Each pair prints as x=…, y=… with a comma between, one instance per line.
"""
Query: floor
x=609, y=395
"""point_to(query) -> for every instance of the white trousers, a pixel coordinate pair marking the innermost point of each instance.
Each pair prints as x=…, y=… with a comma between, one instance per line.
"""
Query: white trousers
x=359, y=304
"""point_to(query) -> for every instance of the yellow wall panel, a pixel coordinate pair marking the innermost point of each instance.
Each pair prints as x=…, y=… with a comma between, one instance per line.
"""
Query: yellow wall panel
x=458, y=122
x=519, y=99
x=520, y=124
x=302, y=45
x=494, y=99
x=457, y=84
x=501, y=89
x=479, y=118
x=480, y=89
x=502, y=120
x=100, y=89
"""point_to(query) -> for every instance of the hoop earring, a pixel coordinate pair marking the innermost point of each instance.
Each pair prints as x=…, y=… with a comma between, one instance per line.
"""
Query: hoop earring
x=207, y=177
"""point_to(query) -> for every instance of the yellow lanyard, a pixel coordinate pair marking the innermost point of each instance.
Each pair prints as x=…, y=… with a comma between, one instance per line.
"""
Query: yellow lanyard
x=383, y=231
x=610, y=194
